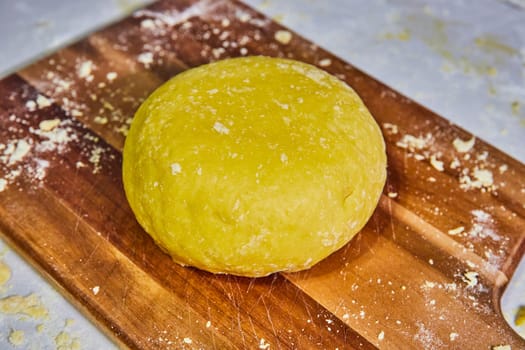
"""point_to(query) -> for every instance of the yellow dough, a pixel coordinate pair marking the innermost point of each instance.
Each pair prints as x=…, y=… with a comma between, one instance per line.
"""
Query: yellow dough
x=253, y=165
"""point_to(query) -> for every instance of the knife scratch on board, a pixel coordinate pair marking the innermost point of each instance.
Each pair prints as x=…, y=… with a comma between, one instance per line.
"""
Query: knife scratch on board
x=94, y=249
x=124, y=294
x=390, y=216
x=340, y=305
x=270, y=320
x=250, y=285
x=239, y=325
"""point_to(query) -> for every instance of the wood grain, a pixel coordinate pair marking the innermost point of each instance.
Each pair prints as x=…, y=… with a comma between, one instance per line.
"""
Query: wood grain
x=403, y=282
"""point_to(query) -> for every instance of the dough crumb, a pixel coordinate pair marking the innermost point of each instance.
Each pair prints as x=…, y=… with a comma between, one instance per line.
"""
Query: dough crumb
x=63, y=341
x=481, y=179
x=392, y=194
x=42, y=101
x=5, y=271
x=325, y=62
x=263, y=345
x=148, y=24
x=484, y=176
x=243, y=16
x=217, y=52
x=463, y=146
x=16, y=337
x=30, y=305
x=519, y=320
x=84, y=69
x=100, y=120
x=391, y=128
x=19, y=152
x=456, y=231
x=49, y=125
x=437, y=164
x=470, y=278
x=283, y=36
x=413, y=143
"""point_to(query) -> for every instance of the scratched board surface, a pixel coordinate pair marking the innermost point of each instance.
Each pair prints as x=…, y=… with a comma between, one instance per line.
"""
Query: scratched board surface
x=426, y=272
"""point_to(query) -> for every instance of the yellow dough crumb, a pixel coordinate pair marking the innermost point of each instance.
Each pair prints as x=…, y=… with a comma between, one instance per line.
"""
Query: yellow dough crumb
x=283, y=36
x=16, y=337
x=253, y=165
x=63, y=341
x=30, y=306
x=519, y=320
x=5, y=273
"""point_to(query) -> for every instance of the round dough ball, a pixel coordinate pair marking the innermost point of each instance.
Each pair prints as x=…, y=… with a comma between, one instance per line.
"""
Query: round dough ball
x=253, y=165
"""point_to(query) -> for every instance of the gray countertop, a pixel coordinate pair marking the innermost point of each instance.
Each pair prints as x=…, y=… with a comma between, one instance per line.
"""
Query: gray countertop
x=465, y=62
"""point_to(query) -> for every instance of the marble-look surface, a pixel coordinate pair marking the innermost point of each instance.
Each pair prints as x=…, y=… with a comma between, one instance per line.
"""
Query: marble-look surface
x=466, y=63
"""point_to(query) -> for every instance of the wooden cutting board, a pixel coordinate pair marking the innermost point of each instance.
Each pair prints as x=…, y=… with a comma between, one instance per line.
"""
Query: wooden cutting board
x=426, y=272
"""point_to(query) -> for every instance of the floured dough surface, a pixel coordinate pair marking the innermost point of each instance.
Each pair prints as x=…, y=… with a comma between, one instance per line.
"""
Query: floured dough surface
x=253, y=165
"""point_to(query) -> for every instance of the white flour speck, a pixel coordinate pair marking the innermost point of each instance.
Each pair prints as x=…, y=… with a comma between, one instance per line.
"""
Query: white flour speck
x=84, y=69
x=111, y=76
x=221, y=128
x=31, y=105
x=176, y=169
x=146, y=58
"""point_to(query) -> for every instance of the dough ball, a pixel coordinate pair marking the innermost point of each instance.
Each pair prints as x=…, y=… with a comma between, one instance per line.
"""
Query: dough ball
x=253, y=165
